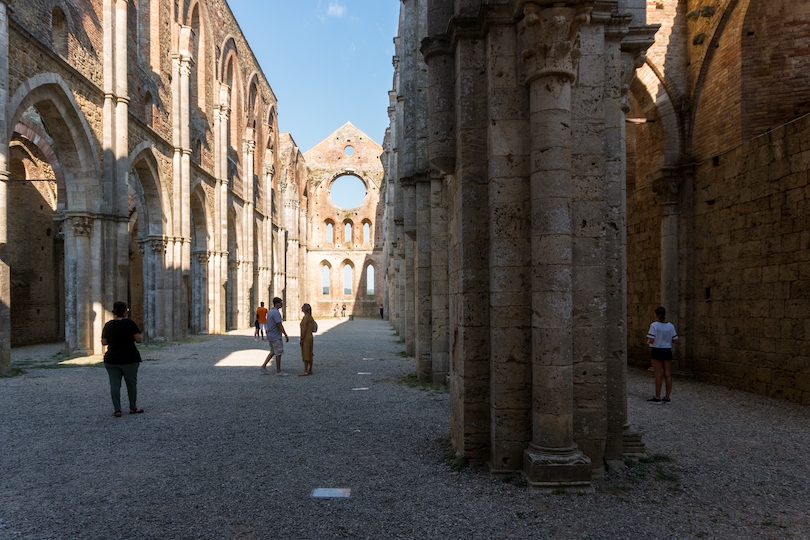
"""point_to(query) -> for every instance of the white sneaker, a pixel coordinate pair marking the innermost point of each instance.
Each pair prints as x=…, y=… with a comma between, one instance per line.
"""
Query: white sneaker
x=263, y=371
x=282, y=374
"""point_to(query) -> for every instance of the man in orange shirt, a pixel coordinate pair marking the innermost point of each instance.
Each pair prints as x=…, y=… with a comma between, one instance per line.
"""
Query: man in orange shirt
x=261, y=321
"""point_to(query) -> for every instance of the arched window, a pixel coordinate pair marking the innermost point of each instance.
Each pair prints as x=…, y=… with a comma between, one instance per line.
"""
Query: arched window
x=370, y=280
x=325, y=277
x=330, y=233
x=59, y=31
x=348, y=276
x=348, y=227
x=366, y=232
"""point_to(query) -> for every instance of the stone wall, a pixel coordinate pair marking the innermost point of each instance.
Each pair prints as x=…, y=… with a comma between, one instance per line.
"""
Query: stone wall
x=752, y=265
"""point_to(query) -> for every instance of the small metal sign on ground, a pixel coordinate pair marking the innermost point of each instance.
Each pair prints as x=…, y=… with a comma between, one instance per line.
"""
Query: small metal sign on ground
x=331, y=493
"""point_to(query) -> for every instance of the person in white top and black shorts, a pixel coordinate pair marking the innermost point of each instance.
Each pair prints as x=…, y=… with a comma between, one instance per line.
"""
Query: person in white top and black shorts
x=661, y=336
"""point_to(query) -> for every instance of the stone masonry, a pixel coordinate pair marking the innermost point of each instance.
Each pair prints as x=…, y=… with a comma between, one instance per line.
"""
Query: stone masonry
x=508, y=116
x=140, y=160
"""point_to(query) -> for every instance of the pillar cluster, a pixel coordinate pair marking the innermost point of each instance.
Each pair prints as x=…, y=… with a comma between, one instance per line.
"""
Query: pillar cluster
x=504, y=238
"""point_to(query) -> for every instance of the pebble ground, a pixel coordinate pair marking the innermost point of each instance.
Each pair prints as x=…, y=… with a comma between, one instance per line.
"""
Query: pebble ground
x=224, y=452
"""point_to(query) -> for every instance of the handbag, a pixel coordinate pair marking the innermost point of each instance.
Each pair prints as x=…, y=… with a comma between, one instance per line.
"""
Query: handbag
x=314, y=326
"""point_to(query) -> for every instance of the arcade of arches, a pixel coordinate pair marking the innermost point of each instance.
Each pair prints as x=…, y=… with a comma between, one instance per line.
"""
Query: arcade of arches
x=158, y=175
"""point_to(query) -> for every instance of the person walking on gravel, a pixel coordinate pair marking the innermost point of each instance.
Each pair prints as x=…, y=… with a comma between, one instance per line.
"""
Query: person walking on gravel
x=307, y=340
x=275, y=329
x=661, y=336
x=122, y=357
x=261, y=321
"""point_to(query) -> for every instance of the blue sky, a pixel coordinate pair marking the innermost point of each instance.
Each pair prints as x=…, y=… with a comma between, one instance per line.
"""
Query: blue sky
x=328, y=62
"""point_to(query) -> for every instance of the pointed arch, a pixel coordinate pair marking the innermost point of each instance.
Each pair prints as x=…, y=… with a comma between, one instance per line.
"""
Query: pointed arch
x=150, y=188
x=72, y=137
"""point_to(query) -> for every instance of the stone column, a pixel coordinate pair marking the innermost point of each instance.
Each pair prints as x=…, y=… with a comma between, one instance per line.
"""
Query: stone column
x=202, y=302
x=82, y=228
x=161, y=313
x=182, y=232
x=422, y=283
x=550, y=37
x=509, y=255
x=222, y=211
x=666, y=183
x=440, y=339
x=624, y=53
x=5, y=273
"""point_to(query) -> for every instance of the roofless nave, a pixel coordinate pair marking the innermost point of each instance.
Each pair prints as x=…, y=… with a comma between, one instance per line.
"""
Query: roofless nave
x=524, y=230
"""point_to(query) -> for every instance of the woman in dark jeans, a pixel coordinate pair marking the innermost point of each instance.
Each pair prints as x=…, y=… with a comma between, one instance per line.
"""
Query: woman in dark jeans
x=122, y=358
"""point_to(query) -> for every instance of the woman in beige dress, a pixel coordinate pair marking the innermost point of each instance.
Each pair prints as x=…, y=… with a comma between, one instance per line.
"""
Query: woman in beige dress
x=306, y=339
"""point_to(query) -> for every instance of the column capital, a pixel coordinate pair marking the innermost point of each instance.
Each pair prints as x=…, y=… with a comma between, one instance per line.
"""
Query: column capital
x=635, y=43
x=549, y=39
x=157, y=244
x=666, y=183
x=82, y=225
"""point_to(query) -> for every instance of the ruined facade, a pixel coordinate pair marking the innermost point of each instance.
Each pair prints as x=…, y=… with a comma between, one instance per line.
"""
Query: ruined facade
x=140, y=159
x=569, y=166
x=344, y=258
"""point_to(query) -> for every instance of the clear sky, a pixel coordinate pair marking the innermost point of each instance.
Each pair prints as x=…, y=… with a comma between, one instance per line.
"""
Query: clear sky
x=328, y=62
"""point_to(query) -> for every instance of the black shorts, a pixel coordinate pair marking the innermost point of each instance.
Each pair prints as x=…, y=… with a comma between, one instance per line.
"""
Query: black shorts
x=662, y=353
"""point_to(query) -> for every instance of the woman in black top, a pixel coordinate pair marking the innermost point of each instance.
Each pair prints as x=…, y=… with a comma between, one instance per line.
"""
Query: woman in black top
x=122, y=357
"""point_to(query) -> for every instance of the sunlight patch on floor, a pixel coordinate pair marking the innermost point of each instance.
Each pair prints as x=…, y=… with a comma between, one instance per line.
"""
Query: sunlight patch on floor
x=244, y=358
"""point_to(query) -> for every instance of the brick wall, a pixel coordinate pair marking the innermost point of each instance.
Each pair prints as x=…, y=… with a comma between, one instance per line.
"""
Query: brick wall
x=752, y=277
x=775, y=65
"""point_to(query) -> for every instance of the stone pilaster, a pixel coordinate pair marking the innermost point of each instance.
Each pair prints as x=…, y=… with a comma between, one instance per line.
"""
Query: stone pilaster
x=510, y=253
x=422, y=282
x=440, y=342
x=468, y=249
x=5, y=273
x=549, y=38
x=80, y=344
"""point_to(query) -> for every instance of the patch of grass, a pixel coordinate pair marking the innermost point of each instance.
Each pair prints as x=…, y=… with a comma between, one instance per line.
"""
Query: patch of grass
x=402, y=354
x=13, y=372
x=665, y=475
x=655, y=458
x=453, y=461
x=411, y=380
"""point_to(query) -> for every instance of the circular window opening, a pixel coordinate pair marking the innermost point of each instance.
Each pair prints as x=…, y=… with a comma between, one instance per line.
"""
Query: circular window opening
x=347, y=191
x=349, y=150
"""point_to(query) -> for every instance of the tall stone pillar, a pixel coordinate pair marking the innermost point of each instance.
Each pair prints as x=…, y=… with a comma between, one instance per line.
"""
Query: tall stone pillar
x=549, y=37
x=624, y=54
x=222, y=210
x=182, y=233
x=441, y=127
x=666, y=183
x=440, y=342
x=422, y=283
x=82, y=228
x=468, y=252
x=510, y=253
x=5, y=273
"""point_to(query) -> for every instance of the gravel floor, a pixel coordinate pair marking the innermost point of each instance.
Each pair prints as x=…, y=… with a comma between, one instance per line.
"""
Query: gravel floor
x=226, y=452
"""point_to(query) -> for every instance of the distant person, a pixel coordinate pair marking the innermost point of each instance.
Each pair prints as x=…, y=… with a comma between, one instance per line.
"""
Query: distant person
x=382, y=311
x=122, y=357
x=660, y=337
x=274, y=332
x=336, y=310
x=307, y=340
x=261, y=321
x=343, y=311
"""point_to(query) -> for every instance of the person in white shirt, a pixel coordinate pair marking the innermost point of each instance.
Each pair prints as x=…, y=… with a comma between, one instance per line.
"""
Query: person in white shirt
x=661, y=336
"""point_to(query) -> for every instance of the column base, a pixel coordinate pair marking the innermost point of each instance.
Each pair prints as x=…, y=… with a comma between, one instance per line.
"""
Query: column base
x=557, y=469
x=634, y=447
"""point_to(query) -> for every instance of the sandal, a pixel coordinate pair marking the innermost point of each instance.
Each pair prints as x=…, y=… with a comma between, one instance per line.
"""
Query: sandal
x=136, y=410
x=117, y=414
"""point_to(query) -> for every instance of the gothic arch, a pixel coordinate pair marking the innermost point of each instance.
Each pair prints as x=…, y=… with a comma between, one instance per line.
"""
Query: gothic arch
x=71, y=135
x=150, y=187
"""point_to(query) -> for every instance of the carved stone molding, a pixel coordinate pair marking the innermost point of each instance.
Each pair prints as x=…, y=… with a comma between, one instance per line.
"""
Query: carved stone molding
x=666, y=183
x=550, y=40
x=634, y=54
x=82, y=225
x=158, y=245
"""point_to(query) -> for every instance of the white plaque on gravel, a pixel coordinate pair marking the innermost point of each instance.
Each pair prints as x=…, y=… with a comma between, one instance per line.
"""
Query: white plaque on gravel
x=331, y=493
